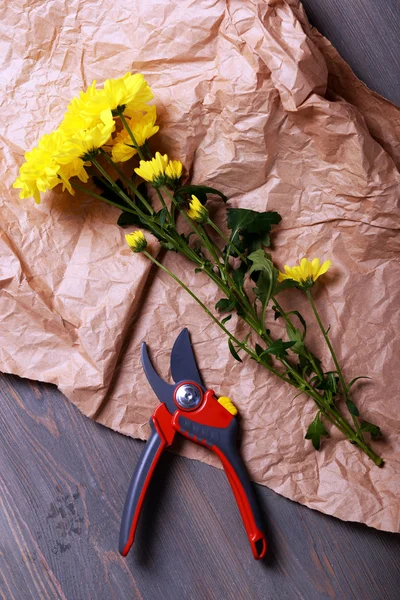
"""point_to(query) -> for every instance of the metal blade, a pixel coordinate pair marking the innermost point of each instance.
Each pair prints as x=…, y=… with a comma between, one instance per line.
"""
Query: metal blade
x=183, y=362
x=164, y=391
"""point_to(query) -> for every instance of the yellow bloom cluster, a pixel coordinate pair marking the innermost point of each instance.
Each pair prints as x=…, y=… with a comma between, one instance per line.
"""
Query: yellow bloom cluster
x=306, y=273
x=87, y=127
x=160, y=170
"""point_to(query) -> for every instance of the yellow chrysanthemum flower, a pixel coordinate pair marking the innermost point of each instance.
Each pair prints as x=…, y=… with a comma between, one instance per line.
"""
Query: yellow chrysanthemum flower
x=142, y=127
x=85, y=143
x=127, y=93
x=40, y=171
x=79, y=114
x=153, y=170
x=306, y=273
x=136, y=241
x=173, y=172
x=197, y=211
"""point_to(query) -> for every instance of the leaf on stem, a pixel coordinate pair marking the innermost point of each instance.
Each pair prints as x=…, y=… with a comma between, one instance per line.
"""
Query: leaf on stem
x=352, y=408
x=200, y=191
x=278, y=348
x=238, y=276
x=225, y=305
x=374, y=430
x=268, y=275
x=226, y=319
x=330, y=382
x=295, y=336
x=233, y=351
x=315, y=431
x=284, y=285
x=353, y=381
x=250, y=229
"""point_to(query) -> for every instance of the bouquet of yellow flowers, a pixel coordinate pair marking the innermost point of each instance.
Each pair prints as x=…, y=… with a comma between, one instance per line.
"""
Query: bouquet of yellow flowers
x=104, y=127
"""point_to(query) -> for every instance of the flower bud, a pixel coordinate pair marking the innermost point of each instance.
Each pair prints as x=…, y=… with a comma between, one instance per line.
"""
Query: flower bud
x=197, y=212
x=136, y=241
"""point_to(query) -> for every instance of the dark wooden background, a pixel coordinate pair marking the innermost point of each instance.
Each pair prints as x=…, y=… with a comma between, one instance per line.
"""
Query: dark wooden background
x=63, y=478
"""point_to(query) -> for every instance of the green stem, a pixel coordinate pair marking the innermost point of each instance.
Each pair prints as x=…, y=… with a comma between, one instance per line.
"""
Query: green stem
x=333, y=354
x=98, y=197
x=242, y=345
x=128, y=182
x=112, y=183
x=193, y=295
x=130, y=133
x=226, y=240
x=310, y=356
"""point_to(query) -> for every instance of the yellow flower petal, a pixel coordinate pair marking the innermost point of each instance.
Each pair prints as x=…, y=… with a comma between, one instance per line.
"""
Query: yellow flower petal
x=153, y=170
x=306, y=273
x=323, y=269
x=174, y=171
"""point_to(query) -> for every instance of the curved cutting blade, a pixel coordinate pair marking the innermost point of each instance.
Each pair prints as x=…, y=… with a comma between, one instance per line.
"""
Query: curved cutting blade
x=183, y=362
x=164, y=391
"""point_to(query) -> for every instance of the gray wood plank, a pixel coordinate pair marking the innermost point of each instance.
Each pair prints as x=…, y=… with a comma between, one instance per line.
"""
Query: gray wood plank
x=63, y=480
x=366, y=35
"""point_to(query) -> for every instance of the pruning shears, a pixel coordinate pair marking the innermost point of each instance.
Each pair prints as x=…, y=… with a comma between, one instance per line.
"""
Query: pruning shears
x=188, y=408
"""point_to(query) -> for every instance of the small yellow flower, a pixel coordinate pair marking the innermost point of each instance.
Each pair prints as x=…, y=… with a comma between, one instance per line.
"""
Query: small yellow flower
x=306, y=273
x=142, y=127
x=153, y=170
x=136, y=241
x=197, y=211
x=173, y=172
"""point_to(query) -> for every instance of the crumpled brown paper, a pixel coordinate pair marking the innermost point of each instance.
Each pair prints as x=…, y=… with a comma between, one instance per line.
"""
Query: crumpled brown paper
x=259, y=105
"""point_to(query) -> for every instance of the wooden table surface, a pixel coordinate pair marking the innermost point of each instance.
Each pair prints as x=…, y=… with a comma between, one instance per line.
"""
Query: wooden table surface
x=63, y=478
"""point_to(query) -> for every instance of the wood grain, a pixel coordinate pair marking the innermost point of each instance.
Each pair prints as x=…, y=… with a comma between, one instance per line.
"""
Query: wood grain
x=63, y=480
x=366, y=35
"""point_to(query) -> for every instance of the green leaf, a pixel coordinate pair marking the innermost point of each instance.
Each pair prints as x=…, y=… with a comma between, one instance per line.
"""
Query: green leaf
x=226, y=319
x=353, y=410
x=268, y=274
x=353, y=381
x=233, y=351
x=250, y=229
x=329, y=382
x=295, y=336
x=284, y=285
x=162, y=215
x=374, y=430
x=315, y=431
x=201, y=192
x=261, y=261
x=238, y=277
x=278, y=348
x=258, y=349
x=301, y=319
x=126, y=219
x=225, y=304
x=168, y=246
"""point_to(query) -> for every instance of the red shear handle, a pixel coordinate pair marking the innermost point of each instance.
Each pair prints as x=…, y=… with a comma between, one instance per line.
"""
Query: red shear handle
x=244, y=494
x=161, y=437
